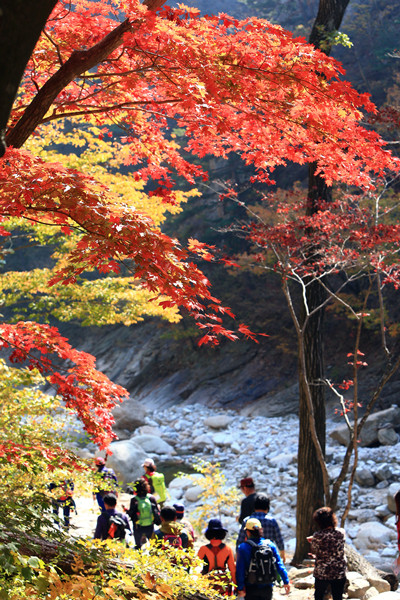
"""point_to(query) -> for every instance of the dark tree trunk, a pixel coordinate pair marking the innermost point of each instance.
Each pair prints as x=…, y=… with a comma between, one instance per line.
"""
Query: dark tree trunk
x=21, y=22
x=310, y=491
x=329, y=19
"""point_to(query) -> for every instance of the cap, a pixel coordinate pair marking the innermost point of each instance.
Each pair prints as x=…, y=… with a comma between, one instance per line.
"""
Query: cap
x=252, y=524
x=149, y=462
x=180, y=509
x=99, y=461
x=247, y=482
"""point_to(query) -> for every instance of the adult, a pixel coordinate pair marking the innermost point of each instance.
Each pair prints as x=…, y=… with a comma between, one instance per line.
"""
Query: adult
x=271, y=529
x=396, y=567
x=155, y=480
x=218, y=559
x=111, y=524
x=63, y=501
x=257, y=562
x=247, y=505
x=327, y=545
x=106, y=480
x=144, y=512
x=180, y=517
x=171, y=533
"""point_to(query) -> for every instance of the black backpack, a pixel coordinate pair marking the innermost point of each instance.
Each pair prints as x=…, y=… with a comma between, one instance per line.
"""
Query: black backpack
x=116, y=527
x=262, y=567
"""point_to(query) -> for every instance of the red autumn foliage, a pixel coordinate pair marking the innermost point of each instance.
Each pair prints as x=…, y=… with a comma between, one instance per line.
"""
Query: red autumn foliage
x=234, y=86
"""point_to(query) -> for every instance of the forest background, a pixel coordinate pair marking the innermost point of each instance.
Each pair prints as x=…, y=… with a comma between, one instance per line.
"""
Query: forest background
x=155, y=354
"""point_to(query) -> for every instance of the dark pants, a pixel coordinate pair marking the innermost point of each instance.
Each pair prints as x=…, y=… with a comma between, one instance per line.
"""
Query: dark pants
x=66, y=508
x=257, y=594
x=337, y=588
x=142, y=531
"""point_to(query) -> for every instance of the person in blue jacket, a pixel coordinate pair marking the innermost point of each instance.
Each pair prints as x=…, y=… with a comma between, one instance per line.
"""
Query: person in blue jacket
x=246, y=588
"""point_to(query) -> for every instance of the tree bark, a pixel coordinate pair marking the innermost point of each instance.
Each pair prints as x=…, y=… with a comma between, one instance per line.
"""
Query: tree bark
x=310, y=491
x=21, y=22
x=328, y=20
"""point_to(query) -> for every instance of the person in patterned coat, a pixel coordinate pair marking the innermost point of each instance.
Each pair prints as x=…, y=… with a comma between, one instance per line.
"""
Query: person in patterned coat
x=327, y=545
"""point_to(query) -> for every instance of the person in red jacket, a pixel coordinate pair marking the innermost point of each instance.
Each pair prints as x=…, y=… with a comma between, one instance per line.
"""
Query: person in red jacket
x=397, y=501
x=218, y=558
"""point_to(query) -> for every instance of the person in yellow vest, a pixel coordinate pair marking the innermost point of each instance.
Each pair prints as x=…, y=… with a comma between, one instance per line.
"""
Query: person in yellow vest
x=155, y=481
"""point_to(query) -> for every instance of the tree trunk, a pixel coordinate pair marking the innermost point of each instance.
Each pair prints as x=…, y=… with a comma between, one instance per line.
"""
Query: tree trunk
x=21, y=22
x=310, y=492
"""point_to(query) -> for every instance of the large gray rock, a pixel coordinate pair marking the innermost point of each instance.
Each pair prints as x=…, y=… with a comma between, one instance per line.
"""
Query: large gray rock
x=393, y=489
x=126, y=460
x=383, y=472
x=357, y=585
x=373, y=535
x=218, y=421
x=364, y=477
x=193, y=493
x=129, y=415
x=369, y=433
x=153, y=444
x=387, y=436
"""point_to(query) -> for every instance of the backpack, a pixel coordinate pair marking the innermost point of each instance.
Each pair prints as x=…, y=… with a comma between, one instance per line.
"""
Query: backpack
x=262, y=563
x=145, y=511
x=173, y=540
x=117, y=527
x=169, y=539
x=157, y=485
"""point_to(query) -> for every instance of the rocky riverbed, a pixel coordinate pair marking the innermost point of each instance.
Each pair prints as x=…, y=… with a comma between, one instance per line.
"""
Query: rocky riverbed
x=264, y=448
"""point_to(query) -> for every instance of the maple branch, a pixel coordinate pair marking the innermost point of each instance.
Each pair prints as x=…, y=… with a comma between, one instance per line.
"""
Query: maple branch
x=109, y=109
x=341, y=401
x=79, y=62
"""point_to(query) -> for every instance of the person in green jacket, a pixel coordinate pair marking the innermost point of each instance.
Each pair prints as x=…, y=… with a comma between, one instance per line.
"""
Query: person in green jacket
x=155, y=481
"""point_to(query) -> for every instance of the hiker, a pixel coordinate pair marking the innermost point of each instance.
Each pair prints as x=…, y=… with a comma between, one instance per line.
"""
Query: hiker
x=218, y=559
x=64, y=501
x=171, y=532
x=257, y=562
x=180, y=517
x=107, y=482
x=396, y=567
x=247, y=505
x=144, y=512
x=271, y=530
x=327, y=545
x=155, y=480
x=110, y=523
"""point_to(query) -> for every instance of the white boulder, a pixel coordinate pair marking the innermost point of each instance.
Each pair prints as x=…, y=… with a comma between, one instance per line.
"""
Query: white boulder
x=372, y=535
x=218, y=421
x=357, y=585
x=193, y=494
x=126, y=460
x=153, y=444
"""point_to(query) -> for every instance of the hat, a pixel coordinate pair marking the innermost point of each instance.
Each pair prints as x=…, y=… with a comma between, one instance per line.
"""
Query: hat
x=213, y=526
x=252, y=524
x=149, y=462
x=180, y=509
x=99, y=461
x=247, y=482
